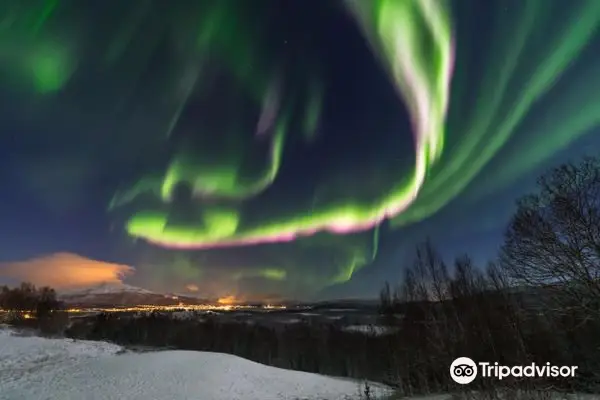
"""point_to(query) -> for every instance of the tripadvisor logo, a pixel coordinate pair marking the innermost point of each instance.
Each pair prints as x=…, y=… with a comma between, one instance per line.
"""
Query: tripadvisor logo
x=463, y=370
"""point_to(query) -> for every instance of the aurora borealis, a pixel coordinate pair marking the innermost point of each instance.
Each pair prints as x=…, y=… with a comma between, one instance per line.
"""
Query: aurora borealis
x=273, y=146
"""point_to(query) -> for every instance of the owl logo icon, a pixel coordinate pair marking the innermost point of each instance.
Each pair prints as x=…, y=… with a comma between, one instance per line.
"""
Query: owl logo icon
x=463, y=370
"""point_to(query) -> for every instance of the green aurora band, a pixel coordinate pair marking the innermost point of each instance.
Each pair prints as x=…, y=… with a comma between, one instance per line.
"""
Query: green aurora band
x=424, y=87
x=529, y=55
x=415, y=41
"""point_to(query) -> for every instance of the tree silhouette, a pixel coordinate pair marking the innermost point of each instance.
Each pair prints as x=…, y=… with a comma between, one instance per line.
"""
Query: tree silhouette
x=554, y=238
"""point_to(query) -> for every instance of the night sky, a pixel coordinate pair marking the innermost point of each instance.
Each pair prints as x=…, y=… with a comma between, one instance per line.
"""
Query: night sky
x=284, y=147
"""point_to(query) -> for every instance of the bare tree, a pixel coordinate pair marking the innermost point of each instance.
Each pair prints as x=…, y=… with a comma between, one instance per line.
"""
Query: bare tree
x=554, y=237
x=385, y=299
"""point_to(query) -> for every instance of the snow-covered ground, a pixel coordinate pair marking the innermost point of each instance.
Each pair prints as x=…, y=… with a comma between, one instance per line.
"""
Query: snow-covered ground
x=34, y=368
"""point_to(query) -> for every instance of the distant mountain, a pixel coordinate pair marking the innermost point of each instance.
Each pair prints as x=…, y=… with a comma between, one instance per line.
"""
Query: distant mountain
x=105, y=288
x=120, y=295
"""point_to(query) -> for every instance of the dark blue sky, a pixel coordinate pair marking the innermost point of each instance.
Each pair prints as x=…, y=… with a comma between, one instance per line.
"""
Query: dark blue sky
x=62, y=157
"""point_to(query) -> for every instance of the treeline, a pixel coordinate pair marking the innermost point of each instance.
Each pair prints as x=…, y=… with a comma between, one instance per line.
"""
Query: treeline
x=321, y=348
x=29, y=306
x=539, y=302
x=460, y=310
x=28, y=298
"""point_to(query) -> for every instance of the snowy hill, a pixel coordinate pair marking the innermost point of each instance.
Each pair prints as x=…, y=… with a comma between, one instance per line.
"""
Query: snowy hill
x=38, y=368
x=120, y=294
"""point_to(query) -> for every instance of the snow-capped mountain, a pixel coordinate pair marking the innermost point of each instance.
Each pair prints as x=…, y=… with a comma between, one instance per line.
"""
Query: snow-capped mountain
x=120, y=294
x=106, y=288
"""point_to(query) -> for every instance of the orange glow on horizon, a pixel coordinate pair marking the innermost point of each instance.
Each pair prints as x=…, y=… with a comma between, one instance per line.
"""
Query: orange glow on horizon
x=227, y=300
